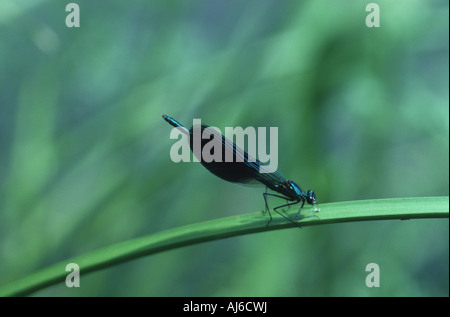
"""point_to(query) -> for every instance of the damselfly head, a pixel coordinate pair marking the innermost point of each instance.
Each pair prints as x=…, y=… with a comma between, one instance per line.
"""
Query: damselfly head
x=311, y=197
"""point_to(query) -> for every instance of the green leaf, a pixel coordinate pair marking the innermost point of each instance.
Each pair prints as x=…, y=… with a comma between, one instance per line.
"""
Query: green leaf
x=363, y=210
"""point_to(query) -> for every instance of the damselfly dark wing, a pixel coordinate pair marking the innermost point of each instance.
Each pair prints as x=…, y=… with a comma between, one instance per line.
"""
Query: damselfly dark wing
x=243, y=168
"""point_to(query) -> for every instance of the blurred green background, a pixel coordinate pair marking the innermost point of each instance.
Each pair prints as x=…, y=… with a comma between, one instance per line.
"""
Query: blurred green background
x=362, y=113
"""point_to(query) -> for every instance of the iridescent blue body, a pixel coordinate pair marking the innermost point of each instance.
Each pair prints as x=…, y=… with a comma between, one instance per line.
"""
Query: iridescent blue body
x=245, y=169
